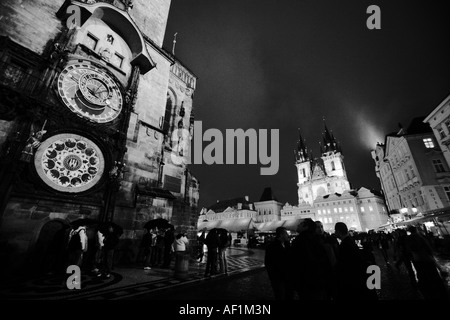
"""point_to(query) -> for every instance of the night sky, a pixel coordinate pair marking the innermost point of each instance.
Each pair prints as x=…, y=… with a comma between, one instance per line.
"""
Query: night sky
x=286, y=64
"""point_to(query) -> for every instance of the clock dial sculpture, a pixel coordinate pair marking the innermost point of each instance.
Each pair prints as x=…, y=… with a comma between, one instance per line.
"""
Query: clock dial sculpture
x=69, y=163
x=90, y=92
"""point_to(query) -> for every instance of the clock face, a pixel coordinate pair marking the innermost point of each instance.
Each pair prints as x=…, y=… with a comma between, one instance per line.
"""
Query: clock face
x=69, y=163
x=90, y=92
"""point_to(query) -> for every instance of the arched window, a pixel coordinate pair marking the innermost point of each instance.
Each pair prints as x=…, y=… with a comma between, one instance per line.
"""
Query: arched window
x=167, y=115
x=332, y=166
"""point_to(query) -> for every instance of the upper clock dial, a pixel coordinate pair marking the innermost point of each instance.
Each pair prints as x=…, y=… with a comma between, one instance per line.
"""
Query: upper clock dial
x=90, y=92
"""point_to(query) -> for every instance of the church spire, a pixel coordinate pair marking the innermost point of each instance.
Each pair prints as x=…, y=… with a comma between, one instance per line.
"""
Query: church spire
x=329, y=142
x=302, y=150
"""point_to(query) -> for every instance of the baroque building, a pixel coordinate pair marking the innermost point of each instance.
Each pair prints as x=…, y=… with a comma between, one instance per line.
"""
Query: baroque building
x=90, y=107
x=439, y=121
x=414, y=175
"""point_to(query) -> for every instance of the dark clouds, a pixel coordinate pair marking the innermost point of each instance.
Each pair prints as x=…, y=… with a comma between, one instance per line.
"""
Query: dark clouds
x=286, y=64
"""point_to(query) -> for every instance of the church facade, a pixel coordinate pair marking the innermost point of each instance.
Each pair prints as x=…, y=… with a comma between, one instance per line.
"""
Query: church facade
x=320, y=176
x=325, y=194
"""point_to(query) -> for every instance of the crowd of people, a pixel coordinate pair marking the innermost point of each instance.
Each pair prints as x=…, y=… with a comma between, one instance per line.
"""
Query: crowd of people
x=316, y=265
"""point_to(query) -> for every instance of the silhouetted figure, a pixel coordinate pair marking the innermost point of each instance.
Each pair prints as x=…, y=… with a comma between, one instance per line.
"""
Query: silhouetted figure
x=77, y=245
x=404, y=256
x=169, y=238
x=277, y=262
x=351, y=269
x=330, y=245
x=160, y=245
x=212, y=242
x=110, y=243
x=384, y=246
x=312, y=267
x=148, y=241
x=201, y=242
x=224, y=244
x=430, y=282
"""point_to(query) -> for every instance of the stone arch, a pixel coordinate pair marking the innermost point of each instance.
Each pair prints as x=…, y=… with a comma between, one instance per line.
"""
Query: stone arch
x=47, y=250
x=122, y=23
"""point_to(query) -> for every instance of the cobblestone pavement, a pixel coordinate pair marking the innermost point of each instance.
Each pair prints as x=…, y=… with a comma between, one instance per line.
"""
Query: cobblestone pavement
x=128, y=282
x=125, y=281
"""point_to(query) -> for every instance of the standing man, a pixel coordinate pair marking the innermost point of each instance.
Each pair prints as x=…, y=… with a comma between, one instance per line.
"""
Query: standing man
x=224, y=243
x=110, y=243
x=212, y=242
x=277, y=262
x=351, y=269
x=78, y=244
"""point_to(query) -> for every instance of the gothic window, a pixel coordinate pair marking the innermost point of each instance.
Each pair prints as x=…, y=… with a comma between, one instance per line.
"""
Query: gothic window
x=304, y=172
x=167, y=115
x=332, y=166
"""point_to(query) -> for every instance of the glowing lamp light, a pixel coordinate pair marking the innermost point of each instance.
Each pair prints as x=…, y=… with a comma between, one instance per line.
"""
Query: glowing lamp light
x=403, y=210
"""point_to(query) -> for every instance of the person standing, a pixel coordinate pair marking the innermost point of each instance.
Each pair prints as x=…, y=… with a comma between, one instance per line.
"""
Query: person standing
x=77, y=245
x=148, y=248
x=429, y=275
x=212, y=242
x=159, y=248
x=98, y=259
x=110, y=243
x=351, y=268
x=179, y=246
x=277, y=263
x=169, y=238
x=224, y=244
x=313, y=270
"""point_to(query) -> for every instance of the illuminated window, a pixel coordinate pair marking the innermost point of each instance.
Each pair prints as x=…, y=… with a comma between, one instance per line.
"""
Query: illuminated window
x=346, y=209
x=329, y=211
x=318, y=211
x=351, y=209
x=370, y=208
x=428, y=143
x=340, y=210
x=91, y=41
x=362, y=209
x=335, y=210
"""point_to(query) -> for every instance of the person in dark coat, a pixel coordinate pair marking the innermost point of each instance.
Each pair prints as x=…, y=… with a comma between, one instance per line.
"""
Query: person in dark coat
x=430, y=281
x=212, y=242
x=169, y=238
x=277, y=262
x=351, y=269
x=110, y=243
x=312, y=266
